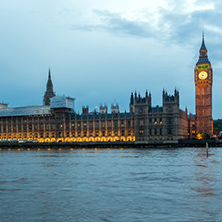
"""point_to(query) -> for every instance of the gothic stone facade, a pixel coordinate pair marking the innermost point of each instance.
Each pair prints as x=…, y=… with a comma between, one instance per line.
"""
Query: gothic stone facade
x=159, y=124
x=203, y=77
x=143, y=124
x=45, y=124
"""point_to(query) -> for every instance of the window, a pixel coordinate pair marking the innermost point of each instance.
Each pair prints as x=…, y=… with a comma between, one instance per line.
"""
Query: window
x=169, y=109
x=169, y=131
x=141, y=132
x=141, y=122
x=169, y=121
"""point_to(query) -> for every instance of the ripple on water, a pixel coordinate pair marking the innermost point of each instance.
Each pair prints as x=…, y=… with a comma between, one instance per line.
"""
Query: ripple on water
x=111, y=185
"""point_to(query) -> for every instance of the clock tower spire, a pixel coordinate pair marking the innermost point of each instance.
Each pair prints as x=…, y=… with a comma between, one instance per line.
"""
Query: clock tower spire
x=203, y=77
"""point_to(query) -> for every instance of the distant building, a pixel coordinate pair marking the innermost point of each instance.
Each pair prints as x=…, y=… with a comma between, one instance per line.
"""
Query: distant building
x=57, y=120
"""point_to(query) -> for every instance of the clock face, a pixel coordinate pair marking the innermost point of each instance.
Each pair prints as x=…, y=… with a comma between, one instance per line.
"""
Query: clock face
x=202, y=75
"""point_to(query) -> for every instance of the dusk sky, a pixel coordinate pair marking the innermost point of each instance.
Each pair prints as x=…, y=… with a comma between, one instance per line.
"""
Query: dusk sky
x=100, y=51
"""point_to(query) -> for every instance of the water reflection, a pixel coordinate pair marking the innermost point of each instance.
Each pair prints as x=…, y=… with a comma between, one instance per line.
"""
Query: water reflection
x=204, y=176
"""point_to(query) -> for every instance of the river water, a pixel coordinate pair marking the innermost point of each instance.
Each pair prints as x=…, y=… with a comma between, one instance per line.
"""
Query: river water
x=111, y=185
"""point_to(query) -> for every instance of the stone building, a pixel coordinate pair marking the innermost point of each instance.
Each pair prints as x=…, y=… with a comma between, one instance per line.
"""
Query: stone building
x=166, y=123
x=57, y=121
x=203, y=78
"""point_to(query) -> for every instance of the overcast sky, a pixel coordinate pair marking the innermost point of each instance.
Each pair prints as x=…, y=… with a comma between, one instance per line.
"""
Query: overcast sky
x=100, y=51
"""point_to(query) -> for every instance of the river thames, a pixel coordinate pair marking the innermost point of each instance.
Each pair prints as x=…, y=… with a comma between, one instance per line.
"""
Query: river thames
x=111, y=185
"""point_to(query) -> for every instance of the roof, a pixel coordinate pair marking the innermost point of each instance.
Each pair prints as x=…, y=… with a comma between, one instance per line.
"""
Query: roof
x=203, y=47
x=203, y=60
x=27, y=110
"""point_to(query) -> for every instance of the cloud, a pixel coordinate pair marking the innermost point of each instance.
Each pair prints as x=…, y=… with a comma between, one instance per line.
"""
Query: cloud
x=170, y=25
x=181, y=24
x=115, y=24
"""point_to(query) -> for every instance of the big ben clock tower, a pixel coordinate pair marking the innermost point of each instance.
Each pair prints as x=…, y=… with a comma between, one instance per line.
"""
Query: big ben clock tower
x=203, y=91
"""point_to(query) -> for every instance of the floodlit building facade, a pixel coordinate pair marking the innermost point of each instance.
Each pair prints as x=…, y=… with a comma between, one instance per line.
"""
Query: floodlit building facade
x=57, y=121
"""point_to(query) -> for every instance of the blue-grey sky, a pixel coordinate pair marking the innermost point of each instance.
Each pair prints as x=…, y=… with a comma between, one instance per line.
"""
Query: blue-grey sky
x=100, y=51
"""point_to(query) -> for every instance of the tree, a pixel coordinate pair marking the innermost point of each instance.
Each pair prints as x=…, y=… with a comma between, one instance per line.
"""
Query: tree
x=203, y=136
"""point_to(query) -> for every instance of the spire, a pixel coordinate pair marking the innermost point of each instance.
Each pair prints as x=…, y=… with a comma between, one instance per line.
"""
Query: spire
x=203, y=58
x=203, y=47
x=49, y=78
x=49, y=83
x=49, y=91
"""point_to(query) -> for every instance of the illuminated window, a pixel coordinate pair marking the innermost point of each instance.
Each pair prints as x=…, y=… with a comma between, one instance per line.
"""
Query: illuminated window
x=141, y=122
x=141, y=132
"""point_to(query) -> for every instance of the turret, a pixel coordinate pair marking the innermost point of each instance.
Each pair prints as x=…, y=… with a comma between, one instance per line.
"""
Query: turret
x=49, y=91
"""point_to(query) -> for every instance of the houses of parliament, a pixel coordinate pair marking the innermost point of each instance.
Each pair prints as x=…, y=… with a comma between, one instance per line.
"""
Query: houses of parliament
x=57, y=121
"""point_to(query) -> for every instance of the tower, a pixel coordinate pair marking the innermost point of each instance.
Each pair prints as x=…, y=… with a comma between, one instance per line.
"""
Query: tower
x=49, y=91
x=203, y=77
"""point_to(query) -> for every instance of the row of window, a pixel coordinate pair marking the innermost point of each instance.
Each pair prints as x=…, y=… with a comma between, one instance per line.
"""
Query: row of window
x=155, y=132
x=68, y=134
x=156, y=121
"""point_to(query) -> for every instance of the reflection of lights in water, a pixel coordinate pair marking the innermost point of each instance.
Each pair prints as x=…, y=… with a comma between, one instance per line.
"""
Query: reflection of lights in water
x=203, y=175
